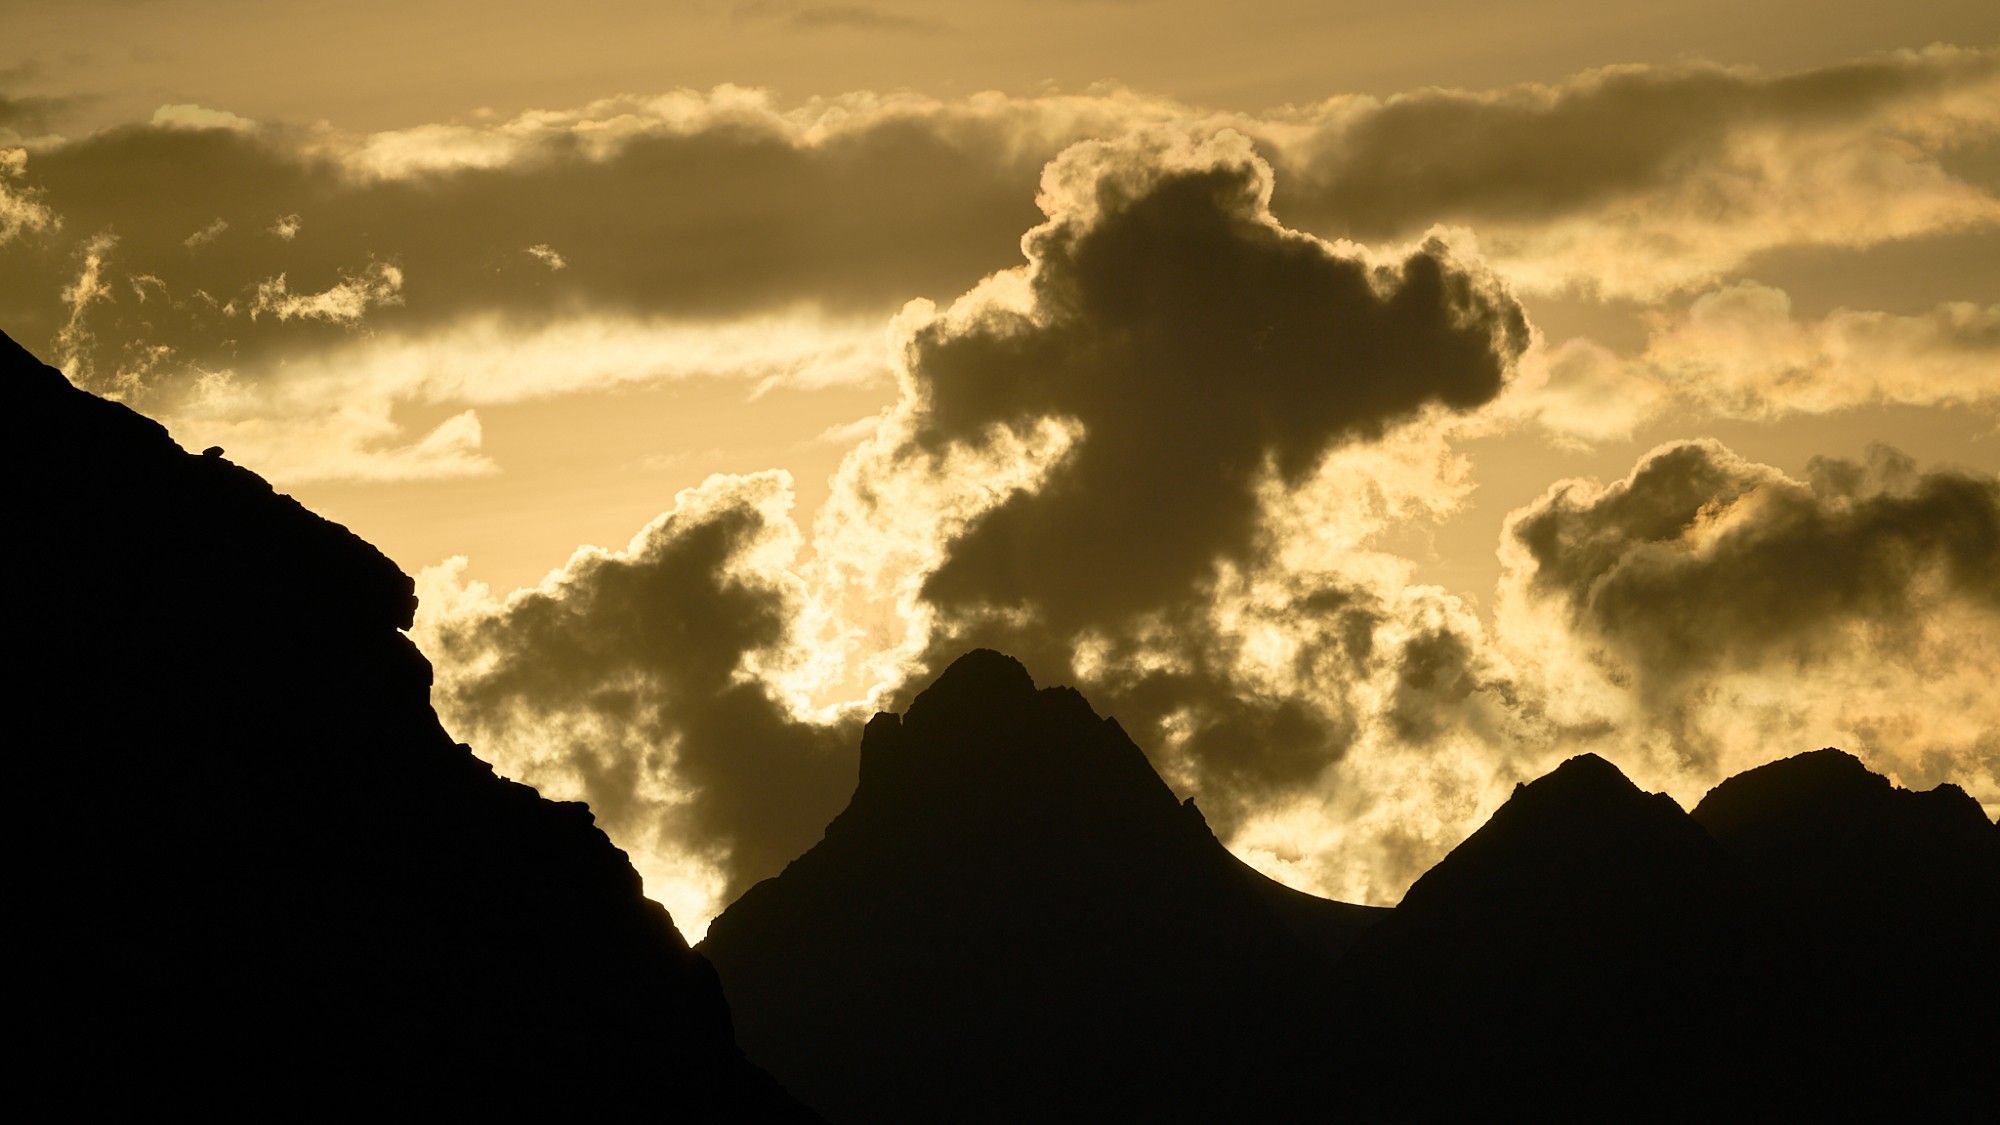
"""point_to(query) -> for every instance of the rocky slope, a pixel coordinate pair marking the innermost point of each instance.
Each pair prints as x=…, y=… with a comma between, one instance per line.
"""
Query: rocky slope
x=251, y=872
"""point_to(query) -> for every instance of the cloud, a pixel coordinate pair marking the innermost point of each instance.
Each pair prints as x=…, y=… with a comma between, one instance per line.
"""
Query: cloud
x=28, y=114
x=205, y=235
x=1641, y=180
x=1728, y=609
x=1630, y=180
x=700, y=207
x=634, y=680
x=21, y=207
x=1150, y=461
x=332, y=417
x=199, y=118
x=690, y=206
x=1198, y=346
x=673, y=215
x=1739, y=352
x=345, y=303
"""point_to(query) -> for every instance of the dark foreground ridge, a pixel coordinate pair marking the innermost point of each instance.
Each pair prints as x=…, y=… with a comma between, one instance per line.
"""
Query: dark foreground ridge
x=252, y=872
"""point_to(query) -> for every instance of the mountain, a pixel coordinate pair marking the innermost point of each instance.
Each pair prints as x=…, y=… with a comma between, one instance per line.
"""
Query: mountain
x=249, y=871
x=1590, y=952
x=1887, y=902
x=1015, y=919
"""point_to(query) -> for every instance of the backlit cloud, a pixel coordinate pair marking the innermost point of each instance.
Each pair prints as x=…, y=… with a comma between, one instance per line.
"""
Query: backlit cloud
x=1636, y=180
x=631, y=679
x=1716, y=607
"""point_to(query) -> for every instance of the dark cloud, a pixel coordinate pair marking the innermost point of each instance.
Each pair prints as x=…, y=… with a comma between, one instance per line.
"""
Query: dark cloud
x=27, y=114
x=708, y=206
x=1199, y=354
x=623, y=680
x=1538, y=152
x=1701, y=562
x=1198, y=346
x=727, y=218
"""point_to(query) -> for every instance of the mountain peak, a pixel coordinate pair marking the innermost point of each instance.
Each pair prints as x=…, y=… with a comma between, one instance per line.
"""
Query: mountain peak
x=1824, y=820
x=1828, y=790
x=1586, y=794
x=1580, y=832
x=1585, y=777
x=980, y=683
x=1010, y=895
x=983, y=743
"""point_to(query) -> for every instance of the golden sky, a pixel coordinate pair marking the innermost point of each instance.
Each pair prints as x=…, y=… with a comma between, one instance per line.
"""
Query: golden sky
x=1370, y=405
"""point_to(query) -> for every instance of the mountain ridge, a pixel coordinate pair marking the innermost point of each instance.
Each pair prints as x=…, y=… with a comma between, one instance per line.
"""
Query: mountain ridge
x=274, y=883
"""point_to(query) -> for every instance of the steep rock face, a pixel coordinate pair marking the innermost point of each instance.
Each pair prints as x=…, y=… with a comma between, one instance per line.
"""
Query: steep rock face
x=1589, y=952
x=1887, y=904
x=1015, y=919
x=252, y=872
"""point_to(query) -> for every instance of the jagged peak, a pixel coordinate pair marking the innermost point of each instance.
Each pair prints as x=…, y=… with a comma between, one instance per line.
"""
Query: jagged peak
x=1585, y=781
x=980, y=680
x=1827, y=785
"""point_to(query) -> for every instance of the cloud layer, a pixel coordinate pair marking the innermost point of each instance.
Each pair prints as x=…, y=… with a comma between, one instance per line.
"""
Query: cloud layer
x=696, y=208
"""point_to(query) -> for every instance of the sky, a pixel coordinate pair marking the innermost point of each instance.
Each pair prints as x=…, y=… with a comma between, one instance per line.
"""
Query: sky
x=1368, y=405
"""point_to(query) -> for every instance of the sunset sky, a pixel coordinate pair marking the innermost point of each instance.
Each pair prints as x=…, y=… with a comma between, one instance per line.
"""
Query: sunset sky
x=1368, y=405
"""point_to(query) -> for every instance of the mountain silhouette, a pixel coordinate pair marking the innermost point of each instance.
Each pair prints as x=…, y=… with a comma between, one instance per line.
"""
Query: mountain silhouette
x=1590, y=952
x=1016, y=919
x=252, y=874
x=1887, y=903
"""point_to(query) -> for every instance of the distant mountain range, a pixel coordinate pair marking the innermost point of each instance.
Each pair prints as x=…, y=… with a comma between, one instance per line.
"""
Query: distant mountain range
x=1015, y=920
x=255, y=876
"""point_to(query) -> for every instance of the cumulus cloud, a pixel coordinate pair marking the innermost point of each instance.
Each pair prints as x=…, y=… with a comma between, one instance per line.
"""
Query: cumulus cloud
x=1198, y=346
x=635, y=680
x=1149, y=461
x=1720, y=609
